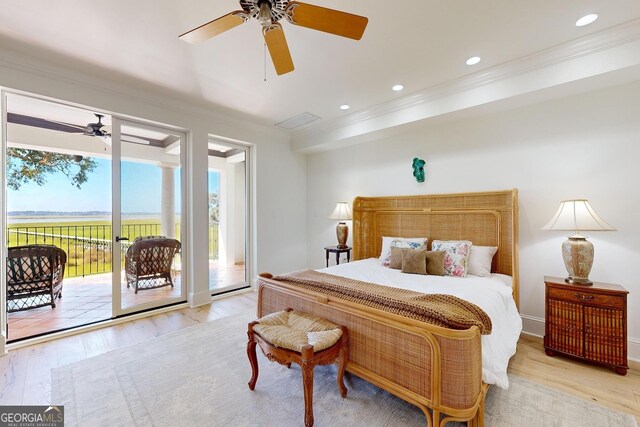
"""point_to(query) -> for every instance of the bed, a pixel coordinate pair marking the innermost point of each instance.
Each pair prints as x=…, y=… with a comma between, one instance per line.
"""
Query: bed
x=437, y=369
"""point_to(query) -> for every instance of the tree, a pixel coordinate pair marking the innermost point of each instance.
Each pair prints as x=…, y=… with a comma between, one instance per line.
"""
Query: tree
x=25, y=165
x=214, y=208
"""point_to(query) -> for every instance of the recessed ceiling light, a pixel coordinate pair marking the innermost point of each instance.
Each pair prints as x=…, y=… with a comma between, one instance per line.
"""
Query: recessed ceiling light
x=397, y=88
x=473, y=60
x=586, y=20
x=344, y=107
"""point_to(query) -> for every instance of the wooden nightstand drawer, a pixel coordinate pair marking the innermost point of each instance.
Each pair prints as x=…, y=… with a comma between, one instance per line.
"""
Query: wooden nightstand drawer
x=583, y=297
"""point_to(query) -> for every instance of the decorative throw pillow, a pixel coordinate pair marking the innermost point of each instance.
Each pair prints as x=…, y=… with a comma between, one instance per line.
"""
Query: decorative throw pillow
x=414, y=261
x=456, y=258
x=395, y=260
x=386, y=244
x=480, y=260
x=435, y=263
x=401, y=244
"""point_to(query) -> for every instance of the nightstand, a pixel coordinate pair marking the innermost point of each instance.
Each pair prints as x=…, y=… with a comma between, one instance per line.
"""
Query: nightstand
x=336, y=250
x=587, y=322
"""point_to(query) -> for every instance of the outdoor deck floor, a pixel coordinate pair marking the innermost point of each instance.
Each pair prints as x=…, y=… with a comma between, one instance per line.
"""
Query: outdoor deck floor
x=88, y=299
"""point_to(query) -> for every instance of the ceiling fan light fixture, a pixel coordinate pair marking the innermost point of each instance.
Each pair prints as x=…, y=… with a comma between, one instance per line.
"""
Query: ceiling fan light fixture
x=264, y=16
x=397, y=88
x=344, y=107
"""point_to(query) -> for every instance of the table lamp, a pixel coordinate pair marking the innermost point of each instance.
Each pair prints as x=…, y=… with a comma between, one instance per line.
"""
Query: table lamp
x=577, y=215
x=342, y=213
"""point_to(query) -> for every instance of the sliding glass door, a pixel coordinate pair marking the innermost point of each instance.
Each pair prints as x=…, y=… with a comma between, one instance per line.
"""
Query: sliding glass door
x=57, y=225
x=228, y=216
x=148, y=206
x=92, y=216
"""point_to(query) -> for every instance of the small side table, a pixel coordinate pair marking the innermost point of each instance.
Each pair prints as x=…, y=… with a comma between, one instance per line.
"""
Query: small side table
x=336, y=250
x=587, y=322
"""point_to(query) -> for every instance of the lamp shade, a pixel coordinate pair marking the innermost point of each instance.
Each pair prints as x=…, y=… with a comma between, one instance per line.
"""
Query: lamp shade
x=577, y=215
x=342, y=212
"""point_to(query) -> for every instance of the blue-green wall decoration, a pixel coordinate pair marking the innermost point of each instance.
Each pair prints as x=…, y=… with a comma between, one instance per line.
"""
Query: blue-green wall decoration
x=418, y=169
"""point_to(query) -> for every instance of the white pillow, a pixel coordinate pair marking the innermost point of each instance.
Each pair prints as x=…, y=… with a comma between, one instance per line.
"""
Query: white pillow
x=480, y=260
x=386, y=244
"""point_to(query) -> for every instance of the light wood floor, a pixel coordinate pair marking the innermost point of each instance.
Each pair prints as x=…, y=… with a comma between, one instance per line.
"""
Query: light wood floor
x=26, y=372
x=88, y=299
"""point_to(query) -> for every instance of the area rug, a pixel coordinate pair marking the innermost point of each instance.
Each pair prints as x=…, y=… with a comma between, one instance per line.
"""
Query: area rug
x=198, y=377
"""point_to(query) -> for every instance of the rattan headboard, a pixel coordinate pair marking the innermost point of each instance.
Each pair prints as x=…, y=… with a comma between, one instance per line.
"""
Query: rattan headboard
x=486, y=219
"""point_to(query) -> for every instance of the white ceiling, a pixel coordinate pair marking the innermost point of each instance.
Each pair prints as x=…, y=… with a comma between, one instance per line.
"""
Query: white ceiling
x=419, y=43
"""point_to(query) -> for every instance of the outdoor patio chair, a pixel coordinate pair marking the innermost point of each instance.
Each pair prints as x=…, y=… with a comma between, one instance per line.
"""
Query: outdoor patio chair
x=148, y=262
x=34, y=276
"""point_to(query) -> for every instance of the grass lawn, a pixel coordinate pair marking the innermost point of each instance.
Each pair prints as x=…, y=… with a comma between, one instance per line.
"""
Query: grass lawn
x=88, y=243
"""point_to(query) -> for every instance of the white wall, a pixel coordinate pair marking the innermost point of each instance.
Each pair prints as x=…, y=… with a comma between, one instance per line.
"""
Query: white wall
x=581, y=146
x=278, y=175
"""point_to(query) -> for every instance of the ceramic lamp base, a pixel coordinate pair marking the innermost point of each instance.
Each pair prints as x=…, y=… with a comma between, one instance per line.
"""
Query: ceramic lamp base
x=342, y=232
x=577, y=253
x=578, y=282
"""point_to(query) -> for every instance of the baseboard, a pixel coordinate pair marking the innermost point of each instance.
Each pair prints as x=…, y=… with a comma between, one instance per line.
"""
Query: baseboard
x=532, y=325
x=533, y=329
x=198, y=299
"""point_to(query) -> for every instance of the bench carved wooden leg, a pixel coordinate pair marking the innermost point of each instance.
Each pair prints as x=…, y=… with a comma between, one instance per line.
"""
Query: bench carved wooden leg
x=343, y=357
x=251, y=353
x=307, y=383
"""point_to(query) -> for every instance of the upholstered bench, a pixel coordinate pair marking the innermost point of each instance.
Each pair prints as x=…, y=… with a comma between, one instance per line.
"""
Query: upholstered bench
x=294, y=336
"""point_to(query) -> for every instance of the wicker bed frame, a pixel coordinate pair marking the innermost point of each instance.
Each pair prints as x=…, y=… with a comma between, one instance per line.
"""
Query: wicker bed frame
x=437, y=369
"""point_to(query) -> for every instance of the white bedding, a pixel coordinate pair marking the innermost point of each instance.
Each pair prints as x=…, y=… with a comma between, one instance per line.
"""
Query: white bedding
x=492, y=294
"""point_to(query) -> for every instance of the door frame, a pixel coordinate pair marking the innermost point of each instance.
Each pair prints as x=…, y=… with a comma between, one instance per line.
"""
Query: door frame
x=3, y=223
x=116, y=221
x=249, y=151
x=187, y=198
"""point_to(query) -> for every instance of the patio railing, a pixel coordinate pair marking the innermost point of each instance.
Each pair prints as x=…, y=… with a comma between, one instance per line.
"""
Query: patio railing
x=89, y=247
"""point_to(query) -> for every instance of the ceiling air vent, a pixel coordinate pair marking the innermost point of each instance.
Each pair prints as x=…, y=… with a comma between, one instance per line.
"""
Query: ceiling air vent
x=297, y=121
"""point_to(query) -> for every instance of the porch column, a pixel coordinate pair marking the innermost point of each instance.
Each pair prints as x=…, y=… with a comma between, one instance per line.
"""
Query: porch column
x=168, y=202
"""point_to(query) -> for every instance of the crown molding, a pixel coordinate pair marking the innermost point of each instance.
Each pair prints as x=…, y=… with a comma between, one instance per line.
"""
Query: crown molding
x=604, y=40
x=28, y=64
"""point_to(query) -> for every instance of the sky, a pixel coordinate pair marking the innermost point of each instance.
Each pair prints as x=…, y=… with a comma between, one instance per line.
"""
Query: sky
x=141, y=190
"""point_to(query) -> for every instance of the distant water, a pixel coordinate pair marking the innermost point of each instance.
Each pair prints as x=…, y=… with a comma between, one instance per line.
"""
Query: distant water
x=29, y=219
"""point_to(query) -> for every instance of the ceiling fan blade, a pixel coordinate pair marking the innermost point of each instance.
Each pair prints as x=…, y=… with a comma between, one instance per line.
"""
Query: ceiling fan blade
x=278, y=48
x=327, y=20
x=43, y=123
x=215, y=27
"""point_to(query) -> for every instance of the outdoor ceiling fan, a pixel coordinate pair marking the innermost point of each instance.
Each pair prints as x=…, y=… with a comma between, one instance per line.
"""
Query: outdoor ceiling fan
x=95, y=129
x=269, y=12
x=98, y=129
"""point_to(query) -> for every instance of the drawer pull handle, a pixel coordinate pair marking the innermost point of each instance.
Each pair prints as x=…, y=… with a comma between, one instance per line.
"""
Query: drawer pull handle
x=584, y=297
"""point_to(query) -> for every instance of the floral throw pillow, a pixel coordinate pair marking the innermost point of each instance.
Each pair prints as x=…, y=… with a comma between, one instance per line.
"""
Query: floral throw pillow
x=456, y=257
x=403, y=244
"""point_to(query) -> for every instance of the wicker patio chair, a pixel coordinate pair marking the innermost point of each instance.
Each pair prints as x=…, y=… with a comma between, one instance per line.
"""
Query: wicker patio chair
x=148, y=262
x=34, y=276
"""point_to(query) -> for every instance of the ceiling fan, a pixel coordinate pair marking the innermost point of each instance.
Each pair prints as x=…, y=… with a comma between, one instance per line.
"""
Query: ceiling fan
x=98, y=129
x=269, y=12
x=95, y=129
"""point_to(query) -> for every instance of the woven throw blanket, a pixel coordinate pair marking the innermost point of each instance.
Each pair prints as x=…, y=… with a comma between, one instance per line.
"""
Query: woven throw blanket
x=437, y=309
